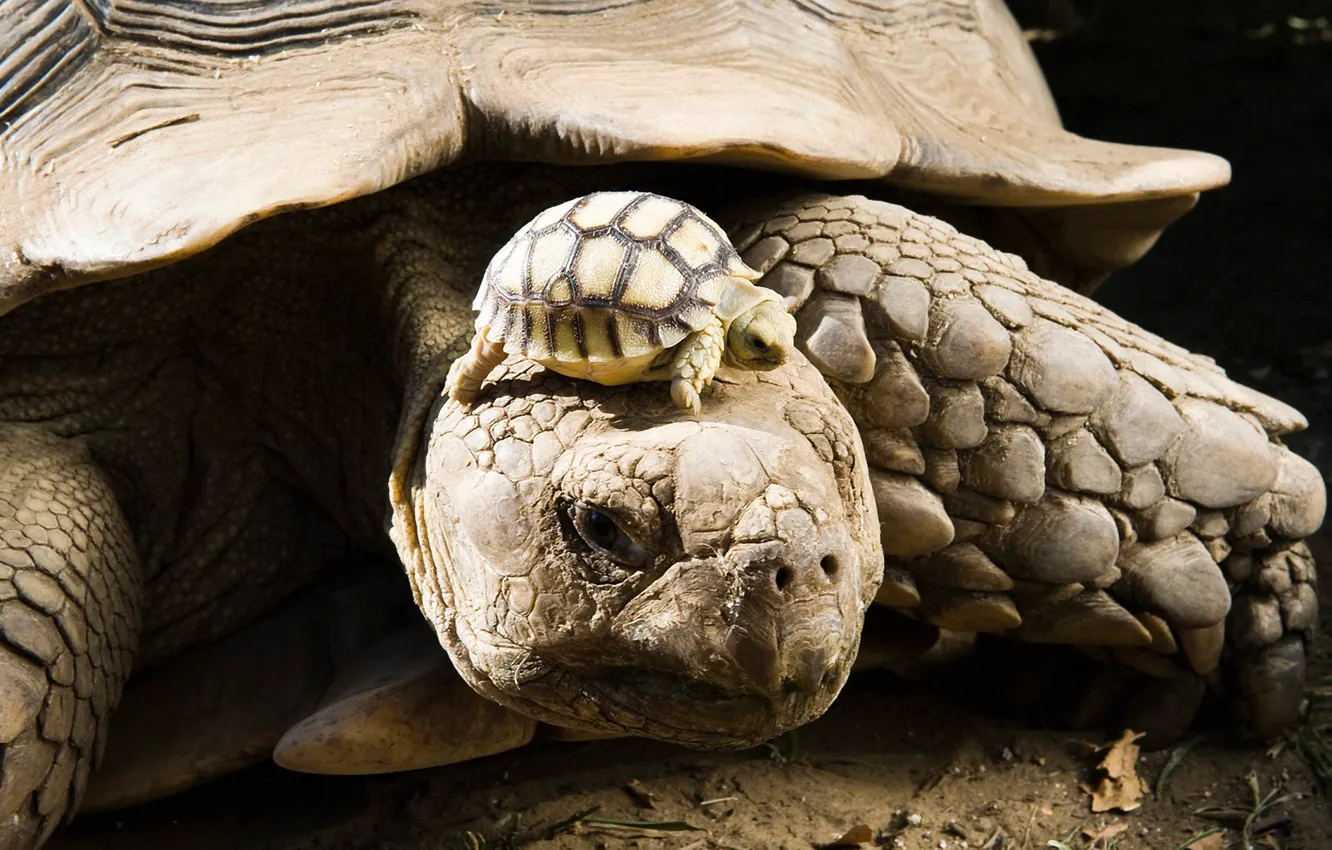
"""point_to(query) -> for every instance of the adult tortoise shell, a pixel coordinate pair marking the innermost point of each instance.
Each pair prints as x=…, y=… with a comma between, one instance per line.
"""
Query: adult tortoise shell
x=617, y=287
x=121, y=123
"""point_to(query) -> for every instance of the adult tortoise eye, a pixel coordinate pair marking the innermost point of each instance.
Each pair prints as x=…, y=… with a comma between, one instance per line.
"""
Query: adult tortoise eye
x=600, y=531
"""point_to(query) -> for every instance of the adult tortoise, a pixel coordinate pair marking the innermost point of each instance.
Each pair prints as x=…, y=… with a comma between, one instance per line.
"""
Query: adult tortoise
x=184, y=452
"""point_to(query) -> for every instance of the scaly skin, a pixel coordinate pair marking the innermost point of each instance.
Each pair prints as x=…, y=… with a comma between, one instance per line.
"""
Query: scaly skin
x=1046, y=470
x=69, y=619
x=240, y=415
x=695, y=363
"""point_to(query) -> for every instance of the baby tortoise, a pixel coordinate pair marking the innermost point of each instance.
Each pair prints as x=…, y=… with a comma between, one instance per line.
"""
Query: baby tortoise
x=620, y=287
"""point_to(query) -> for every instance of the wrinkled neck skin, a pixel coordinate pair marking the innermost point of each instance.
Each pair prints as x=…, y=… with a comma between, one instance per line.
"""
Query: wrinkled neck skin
x=724, y=604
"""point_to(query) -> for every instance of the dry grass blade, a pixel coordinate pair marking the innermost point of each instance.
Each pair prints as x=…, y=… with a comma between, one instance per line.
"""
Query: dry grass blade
x=1315, y=747
x=1261, y=805
x=1172, y=763
x=567, y=824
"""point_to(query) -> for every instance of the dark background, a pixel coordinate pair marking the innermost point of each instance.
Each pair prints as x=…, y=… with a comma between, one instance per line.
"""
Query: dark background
x=1244, y=277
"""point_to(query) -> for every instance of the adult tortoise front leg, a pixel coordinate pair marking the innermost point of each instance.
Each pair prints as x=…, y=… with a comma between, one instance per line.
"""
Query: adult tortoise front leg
x=1046, y=470
x=69, y=603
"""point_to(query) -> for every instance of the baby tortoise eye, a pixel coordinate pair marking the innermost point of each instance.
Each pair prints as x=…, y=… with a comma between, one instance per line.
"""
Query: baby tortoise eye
x=600, y=531
x=757, y=343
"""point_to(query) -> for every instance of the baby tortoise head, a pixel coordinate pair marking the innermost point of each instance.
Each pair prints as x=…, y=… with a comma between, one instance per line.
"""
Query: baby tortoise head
x=594, y=559
x=761, y=338
x=621, y=287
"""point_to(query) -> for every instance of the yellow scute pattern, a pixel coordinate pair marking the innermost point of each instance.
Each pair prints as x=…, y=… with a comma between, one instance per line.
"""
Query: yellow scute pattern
x=598, y=264
x=550, y=216
x=509, y=268
x=695, y=243
x=654, y=284
x=649, y=219
x=633, y=334
x=601, y=208
x=566, y=339
x=558, y=291
x=550, y=255
x=596, y=335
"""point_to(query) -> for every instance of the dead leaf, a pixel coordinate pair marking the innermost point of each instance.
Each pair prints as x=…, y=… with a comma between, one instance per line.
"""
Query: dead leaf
x=1120, y=788
x=856, y=836
x=642, y=797
x=1109, y=832
x=1208, y=841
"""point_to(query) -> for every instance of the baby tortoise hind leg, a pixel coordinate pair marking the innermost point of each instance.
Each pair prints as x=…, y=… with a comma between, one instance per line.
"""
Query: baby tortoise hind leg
x=69, y=614
x=469, y=372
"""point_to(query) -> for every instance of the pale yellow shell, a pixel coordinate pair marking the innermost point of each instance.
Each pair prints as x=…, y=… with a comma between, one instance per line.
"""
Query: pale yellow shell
x=611, y=278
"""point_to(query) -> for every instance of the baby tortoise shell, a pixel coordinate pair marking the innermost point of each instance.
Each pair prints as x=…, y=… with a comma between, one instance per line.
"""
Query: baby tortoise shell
x=617, y=287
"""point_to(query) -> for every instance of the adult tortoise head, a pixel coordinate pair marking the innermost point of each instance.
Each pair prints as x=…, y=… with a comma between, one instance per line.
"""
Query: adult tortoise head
x=697, y=579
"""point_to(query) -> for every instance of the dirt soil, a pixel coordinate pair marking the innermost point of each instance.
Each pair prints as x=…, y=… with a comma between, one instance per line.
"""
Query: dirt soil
x=1241, y=278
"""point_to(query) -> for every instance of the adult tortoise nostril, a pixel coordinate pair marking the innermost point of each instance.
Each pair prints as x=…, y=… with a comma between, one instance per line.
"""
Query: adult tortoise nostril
x=806, y=575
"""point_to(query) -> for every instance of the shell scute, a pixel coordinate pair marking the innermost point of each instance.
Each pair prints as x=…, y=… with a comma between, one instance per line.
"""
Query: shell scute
x=649, y=217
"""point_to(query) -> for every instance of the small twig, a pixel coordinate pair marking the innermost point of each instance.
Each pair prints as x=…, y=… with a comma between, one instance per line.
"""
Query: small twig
x=717, y=800
x=642, y=797
x=652, y=826
x=1026, y=833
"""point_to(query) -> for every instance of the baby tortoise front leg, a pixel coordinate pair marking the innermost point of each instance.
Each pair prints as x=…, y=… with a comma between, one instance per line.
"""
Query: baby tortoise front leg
x=695, y=364
x=1045, y=470
x=760, y=339
x=69, y=614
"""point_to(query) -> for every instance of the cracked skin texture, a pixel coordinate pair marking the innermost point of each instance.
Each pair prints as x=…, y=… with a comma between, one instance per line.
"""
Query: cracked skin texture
x=239, y=415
